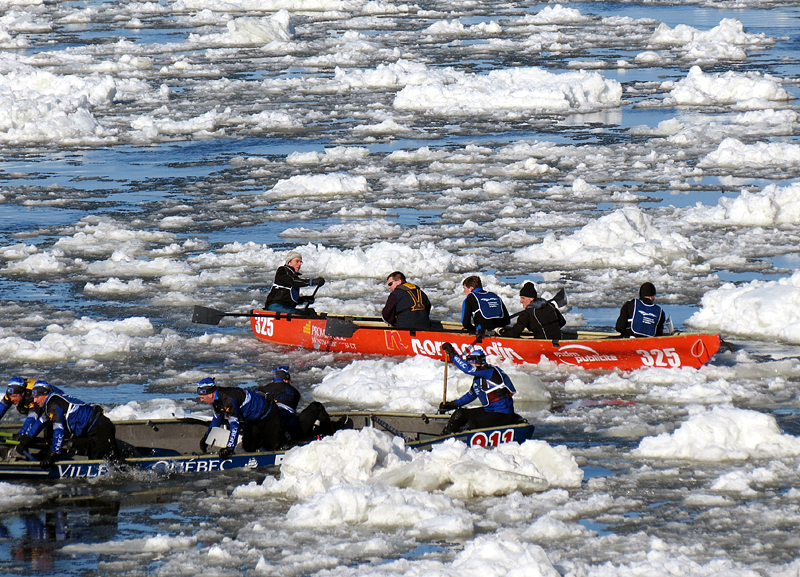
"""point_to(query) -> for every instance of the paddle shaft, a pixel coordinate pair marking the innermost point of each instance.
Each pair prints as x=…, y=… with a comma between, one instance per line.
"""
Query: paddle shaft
x=312, y=297
x=444, y=388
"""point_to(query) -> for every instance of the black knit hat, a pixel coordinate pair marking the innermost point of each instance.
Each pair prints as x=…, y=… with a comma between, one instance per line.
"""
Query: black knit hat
x=647, y=290
x=528, y=290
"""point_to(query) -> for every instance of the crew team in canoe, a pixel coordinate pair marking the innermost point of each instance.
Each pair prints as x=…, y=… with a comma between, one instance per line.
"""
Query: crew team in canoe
x=482, y=311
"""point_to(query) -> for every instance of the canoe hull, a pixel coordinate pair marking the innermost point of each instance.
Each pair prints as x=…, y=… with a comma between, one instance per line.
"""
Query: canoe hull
x=679, y=350
x=167, y=445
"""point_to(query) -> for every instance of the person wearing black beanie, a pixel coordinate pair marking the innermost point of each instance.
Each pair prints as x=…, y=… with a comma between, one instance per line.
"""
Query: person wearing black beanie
x=641, y=317
x=540, y=317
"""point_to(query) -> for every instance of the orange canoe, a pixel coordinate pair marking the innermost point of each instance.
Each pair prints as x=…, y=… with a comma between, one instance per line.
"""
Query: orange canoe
x=371, y=336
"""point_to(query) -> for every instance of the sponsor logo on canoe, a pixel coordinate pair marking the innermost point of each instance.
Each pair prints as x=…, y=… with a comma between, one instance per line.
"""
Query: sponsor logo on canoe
x=192, y=465
x=319, y=340
x=394, y=341
x=70, y=470
x=577, y=355
x=431, y=348
x=492, y=439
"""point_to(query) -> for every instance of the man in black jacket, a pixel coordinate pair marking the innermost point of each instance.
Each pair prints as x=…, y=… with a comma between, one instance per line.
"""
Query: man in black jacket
x=539, y=316
x=641, y=317
x=284, y=296
x=407, y=306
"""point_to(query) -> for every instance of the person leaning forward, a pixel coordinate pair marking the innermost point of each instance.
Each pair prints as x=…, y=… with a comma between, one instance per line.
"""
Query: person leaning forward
x=641, y=317
x=407, y=305
x=251, y=413
x=539, y=316
x=69, y=417
x=482, y=310
x=18, y=394
x=284, y=296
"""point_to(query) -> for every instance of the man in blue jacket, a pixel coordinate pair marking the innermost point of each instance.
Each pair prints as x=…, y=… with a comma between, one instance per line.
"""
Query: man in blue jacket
x=18, y=393
x=69, y=417
x=249, y=413
x=490, y=385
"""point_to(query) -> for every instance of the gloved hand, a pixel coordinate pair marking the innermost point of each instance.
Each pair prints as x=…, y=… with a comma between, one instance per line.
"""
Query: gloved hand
x=319, y=281
x=446, y=407
x=449, y=350
x=24, y=444
x=203, y=444
x=308, y=300
x=48, y=460
x=225, y=453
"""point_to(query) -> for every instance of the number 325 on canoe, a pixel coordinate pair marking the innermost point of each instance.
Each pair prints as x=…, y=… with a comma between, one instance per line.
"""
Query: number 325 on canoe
x=263, y=326
x=660, y=358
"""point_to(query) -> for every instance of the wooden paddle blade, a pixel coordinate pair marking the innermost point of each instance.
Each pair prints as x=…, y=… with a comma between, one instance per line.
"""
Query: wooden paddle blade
x=340, y=327
x=206, y=315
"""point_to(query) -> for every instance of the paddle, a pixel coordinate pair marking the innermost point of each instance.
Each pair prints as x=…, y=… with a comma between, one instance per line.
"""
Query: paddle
x=444, y=390
x=209, y=316
x=560, y=299
x=308, y=302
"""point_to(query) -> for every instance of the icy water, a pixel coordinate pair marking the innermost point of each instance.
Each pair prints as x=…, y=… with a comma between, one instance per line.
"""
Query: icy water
x=138, y=202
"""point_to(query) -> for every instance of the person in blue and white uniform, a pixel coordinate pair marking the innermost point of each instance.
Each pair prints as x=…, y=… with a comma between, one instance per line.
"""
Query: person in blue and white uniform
x=70, y=418
x=490, y=385
x=284, y=296
x=482, y=310
x=641, y=317
x=310, y=423
x=18, y=394
x=249, y=413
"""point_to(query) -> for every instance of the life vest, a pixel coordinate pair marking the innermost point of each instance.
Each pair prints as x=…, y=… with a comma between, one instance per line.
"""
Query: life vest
x=489, y=304
x=412, y=307
x=644, y=320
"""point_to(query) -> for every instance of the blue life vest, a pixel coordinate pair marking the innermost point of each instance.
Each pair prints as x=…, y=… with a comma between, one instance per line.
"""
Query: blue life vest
x=489, y=304
x=644, y=320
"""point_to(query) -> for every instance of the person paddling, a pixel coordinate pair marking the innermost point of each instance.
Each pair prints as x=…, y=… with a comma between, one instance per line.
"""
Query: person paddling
x=69, y=417
x=490, y=385
x=641, y=317
x=284, y=296
x=540, y=317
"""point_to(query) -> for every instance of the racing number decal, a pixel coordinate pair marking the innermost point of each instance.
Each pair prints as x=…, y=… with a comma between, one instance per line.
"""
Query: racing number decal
x=493, y=439
x=264, y=326
x=660, y=358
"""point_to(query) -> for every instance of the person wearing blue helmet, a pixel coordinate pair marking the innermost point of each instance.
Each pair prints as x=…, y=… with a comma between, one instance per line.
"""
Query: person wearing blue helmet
x=312, y=422
x=490, y=385
x=69, y=417
x=18, y=393
x=249, y=413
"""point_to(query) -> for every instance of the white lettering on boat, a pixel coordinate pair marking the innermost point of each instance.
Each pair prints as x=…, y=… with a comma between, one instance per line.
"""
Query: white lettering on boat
x=575, y=355
x=264, y=326
x=82, y=471
x=429, y=348
x=492, y=439
x=668, y=357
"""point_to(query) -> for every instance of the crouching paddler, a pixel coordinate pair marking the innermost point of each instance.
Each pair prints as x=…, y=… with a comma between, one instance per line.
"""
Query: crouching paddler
x=250, y=413
x=490, y=385
x=69, y=417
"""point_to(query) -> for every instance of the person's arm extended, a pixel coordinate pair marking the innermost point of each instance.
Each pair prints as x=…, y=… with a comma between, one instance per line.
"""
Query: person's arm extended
x=389, y=312
x=517, y=329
